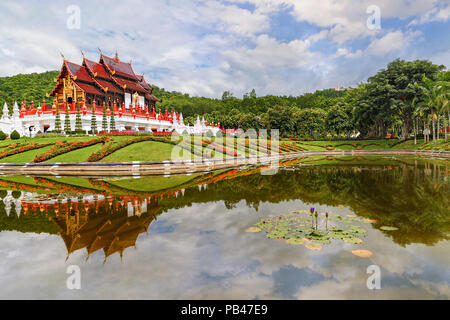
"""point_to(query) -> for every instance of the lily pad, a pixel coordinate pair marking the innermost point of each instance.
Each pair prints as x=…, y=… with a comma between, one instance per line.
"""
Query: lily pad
x=387, y=228
x=312, y=246
x=295, y=241
x=352, y=240
x=253, y=229
x=298, y=227
x=362, y=253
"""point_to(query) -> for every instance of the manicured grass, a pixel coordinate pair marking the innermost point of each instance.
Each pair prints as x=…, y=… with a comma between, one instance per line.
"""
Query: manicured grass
x=25, y=157
x=24, y=180
x=147, y=151
x=152, y=183
x=78, y=182
x=80, y=155
x=159, y=151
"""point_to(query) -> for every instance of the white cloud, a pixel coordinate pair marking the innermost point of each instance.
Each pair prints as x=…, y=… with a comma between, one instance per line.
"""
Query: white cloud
x=207, y=47
x=391, y=42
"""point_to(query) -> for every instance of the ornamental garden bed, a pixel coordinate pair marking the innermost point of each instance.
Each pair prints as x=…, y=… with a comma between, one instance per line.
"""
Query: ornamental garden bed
x=61, y=147
x=110, y=146
x=16, y=148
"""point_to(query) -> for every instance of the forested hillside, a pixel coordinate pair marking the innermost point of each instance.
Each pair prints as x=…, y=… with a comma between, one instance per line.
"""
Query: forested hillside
x=27, y=87
x=403, y=98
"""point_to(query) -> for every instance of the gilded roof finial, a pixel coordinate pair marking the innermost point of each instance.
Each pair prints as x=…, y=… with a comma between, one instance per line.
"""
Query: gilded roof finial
x=116, y=56
x=64, y=58
x=99, y=50
x=82, y=53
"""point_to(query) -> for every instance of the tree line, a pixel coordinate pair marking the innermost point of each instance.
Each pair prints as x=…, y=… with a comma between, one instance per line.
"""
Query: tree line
x=405, y=98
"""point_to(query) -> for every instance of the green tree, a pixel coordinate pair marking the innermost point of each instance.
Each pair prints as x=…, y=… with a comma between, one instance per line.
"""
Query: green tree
x=67, y=127
x=309, y=122
x=112, y=122
x=93, y=123
x=281, y=118
x=104, y=120
x=337, y=121
x=78, y=123
x=58, y=120
x=389, y=94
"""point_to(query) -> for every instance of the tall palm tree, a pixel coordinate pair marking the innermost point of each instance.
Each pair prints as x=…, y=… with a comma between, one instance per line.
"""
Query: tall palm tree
x=444, y=94
x=431, y=98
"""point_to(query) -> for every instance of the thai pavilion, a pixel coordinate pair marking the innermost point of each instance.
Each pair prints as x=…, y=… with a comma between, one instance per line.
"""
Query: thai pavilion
x=107, y=81
x=108, y=88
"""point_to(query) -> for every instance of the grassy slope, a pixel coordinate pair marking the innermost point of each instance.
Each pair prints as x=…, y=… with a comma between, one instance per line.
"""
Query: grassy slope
x=153, y=183
x=25, y=157
x=157, y=151
x=145, y=151
x=80, y=155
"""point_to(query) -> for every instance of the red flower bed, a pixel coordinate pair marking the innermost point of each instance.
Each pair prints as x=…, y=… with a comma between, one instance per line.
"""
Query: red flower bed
x=61, y=148
x=119, y=133
x=111, y=147
x=21, y=148
x=222, y=149
x=64, y=187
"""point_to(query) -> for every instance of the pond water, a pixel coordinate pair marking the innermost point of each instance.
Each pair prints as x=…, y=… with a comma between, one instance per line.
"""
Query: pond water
x=187, y=236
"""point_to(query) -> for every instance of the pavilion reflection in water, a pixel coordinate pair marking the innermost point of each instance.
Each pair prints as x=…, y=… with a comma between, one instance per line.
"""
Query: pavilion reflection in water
x=91, y=222
x=97, y=214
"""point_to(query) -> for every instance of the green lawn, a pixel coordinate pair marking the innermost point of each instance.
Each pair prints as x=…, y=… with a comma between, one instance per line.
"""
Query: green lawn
x=80, y=155
x=25, y=157
x=159, y=151
x=147, y=151
x=78, y=182
x=153, y=183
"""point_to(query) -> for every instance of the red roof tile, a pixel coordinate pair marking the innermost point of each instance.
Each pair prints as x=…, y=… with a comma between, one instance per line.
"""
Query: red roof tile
x=119, y=67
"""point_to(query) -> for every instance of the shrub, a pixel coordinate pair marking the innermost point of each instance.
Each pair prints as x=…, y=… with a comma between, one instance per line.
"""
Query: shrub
x=15, y=135
x=3, y=135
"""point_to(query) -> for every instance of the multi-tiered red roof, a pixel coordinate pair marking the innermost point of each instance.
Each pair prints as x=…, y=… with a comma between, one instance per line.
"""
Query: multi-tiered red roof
x=107, y=80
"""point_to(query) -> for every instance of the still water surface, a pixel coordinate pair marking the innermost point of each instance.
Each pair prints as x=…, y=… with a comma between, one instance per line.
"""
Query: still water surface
x=184, y=237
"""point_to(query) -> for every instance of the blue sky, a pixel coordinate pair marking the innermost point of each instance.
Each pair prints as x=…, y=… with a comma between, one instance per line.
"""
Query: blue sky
x=282, y=47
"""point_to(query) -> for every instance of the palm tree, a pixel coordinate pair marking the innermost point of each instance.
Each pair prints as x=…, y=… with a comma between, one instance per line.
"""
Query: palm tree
x=431, y=97
x=444, y=95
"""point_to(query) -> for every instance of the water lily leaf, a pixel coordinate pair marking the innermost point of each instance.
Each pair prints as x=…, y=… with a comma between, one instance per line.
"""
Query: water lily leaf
x=362, y=253
x=253, y=229
x=295, y=241
x=352, y=240
x=322, y=241
x=386, y=228
x=312, y=246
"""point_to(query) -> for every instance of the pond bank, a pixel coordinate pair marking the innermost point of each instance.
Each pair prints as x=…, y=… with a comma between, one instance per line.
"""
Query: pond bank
x=148, y=168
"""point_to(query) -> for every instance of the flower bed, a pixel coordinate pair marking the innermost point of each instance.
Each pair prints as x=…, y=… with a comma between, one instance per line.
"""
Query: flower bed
x=119, y=133
x=19, y=148
x=66, y=188
x=61, y=148
x=222, y=149
x=110, y=147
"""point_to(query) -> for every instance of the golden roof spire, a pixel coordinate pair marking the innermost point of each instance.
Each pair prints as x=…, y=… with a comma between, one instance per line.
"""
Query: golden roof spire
x=116, y=56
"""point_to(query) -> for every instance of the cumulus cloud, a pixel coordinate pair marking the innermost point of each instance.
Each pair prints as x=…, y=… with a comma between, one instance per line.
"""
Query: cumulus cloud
x=207, y=47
